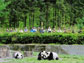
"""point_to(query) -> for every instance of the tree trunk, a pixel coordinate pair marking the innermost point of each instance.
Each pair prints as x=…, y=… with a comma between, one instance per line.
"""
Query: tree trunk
x=25, y=18
x=10, y=22
x=47, y=15
x=29, y=20
x=33, y=19
x=53, y=17
x=14, y=21
x=40, y=21
x=40, y=16
x=17, y=25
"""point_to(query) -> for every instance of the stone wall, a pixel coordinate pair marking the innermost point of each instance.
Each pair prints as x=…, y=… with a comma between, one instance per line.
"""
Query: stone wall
x=7, y=51
x=4, y=51
x=56, y=48
x=60, y=49
x=73, y=49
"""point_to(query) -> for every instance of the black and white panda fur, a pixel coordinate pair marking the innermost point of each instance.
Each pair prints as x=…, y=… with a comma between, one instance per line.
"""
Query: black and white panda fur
x=18, y=55
x=48, y=56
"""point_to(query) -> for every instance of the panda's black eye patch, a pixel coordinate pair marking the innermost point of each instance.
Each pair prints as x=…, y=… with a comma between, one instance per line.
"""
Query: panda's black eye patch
x=41, y=51
x=17, y=55
x=46, y=52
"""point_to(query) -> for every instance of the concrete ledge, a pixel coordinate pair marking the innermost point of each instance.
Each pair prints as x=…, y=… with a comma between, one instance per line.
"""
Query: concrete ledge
x=60, y=49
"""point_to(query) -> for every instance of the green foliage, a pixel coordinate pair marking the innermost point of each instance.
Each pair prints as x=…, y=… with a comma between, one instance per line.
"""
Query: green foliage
x=45, y=38
x=3, y=12
x=54, y=13
x=3, y=5
x=80, y=22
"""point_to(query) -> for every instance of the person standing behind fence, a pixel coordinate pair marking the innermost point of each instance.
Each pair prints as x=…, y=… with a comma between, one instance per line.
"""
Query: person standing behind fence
x=11, y=30
x=42, y=30
x=21, y=31
x=49, y=29
x=25, y=30
x=7, y=30
x=54, y=30
x=33, y=29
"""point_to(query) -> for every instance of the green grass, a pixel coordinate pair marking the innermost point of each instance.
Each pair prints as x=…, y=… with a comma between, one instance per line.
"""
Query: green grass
x=64, y=59
x=2, y=44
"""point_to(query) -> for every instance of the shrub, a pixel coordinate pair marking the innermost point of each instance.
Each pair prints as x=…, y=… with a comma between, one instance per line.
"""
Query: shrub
x=45, y=38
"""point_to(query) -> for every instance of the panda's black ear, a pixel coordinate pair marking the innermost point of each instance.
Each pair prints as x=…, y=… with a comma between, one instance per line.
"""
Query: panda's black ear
x=16, y=56
x=42, y=51
x=46, y=52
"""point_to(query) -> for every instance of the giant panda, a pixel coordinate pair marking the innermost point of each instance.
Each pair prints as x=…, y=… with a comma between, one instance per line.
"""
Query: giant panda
x=18, y=55
x=41, y=55
x=48, y=56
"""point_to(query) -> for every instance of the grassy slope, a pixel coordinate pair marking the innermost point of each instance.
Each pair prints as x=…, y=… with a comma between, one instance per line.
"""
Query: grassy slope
x=65, y=59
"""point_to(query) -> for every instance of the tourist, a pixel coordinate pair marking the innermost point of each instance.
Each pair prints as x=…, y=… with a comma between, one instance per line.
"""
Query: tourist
x=64, y=30
x=49, y=29
x=21, y=31
x=33, y=29
x=7, y=30
x=54, y=30
x=15, y=30
x=59, y=30
x=38, y=29
x=42, y=30
x=25, y=30
x=11, y=30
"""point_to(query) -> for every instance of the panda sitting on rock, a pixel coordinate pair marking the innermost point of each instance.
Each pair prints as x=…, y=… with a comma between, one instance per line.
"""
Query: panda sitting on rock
x=48, y=56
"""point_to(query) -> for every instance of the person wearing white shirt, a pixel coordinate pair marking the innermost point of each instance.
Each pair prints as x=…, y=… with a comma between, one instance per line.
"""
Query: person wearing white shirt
x=21, y=31
x=49, y=29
